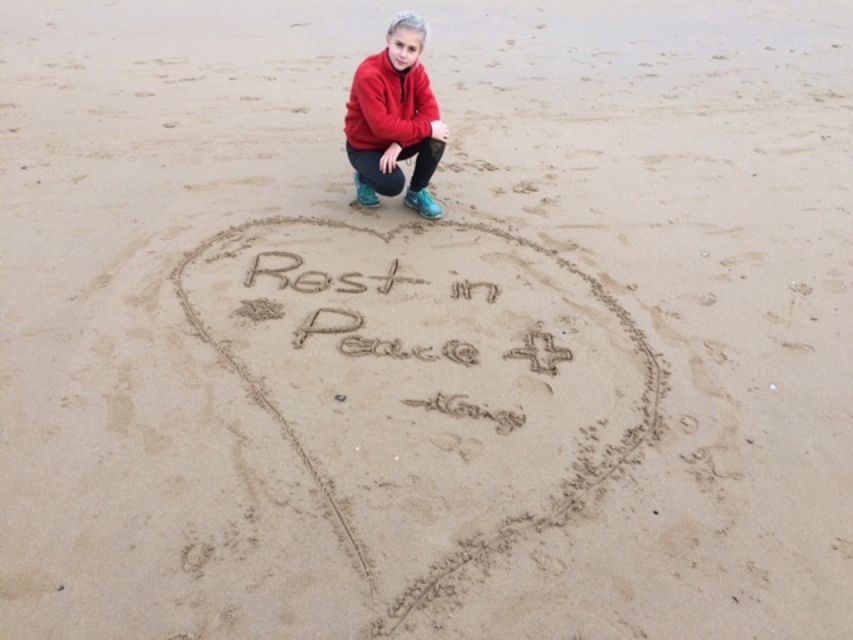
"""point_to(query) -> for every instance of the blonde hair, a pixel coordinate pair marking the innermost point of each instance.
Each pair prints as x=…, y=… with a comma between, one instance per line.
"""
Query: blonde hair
x=410, y=20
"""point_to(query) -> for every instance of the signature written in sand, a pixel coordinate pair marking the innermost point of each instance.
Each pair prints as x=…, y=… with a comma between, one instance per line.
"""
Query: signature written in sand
x=457, y=406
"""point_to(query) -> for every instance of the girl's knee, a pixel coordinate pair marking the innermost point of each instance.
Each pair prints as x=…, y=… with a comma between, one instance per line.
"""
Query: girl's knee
x=436, y=148
x=392, y=185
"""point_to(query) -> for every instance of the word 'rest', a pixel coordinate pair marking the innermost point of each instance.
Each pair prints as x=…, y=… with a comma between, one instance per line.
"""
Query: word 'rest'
x=280, y=265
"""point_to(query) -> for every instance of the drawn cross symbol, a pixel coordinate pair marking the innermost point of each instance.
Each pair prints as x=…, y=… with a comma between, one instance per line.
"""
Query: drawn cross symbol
x=540, y=350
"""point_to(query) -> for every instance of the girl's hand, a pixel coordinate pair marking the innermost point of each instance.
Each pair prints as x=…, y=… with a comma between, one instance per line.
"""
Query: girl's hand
x=388, y=161
x=440, y=130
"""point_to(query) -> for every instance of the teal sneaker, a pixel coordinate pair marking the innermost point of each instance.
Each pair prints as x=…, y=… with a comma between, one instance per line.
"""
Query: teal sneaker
x=365, y=195
x=422, y=202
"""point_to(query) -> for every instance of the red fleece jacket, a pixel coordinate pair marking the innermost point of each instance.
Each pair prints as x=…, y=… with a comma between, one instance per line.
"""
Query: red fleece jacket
x=387, y=106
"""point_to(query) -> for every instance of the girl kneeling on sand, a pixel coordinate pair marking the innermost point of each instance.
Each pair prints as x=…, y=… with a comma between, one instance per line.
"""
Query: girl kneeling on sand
x=393, y=115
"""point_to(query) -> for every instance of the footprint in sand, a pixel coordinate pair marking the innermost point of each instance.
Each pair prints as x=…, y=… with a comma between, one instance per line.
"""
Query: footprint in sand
x=689, y=424
x=844, y=547
x=801, y=288
x=798, y=347
x=717, y=351
x=705, y=299
x=466, y=448
x=525, y=187
x=752, y=257
x=195, y=556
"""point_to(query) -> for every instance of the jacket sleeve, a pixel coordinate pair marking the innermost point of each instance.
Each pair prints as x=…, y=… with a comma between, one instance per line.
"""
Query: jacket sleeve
x=370, y=92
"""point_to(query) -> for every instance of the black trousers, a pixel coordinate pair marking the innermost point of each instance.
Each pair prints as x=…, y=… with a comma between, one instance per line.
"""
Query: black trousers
x=428, y=150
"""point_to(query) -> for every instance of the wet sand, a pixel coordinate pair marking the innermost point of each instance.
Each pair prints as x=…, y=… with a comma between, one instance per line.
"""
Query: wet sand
x=606, y=398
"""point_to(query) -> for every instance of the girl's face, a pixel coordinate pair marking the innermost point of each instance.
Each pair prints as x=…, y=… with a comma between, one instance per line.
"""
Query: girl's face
x=404, y=48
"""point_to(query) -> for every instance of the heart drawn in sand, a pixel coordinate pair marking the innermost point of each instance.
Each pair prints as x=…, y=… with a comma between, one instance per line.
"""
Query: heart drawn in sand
x=472, y=380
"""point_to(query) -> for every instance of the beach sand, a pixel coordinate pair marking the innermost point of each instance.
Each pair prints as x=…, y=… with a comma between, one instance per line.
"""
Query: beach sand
x=607, y=398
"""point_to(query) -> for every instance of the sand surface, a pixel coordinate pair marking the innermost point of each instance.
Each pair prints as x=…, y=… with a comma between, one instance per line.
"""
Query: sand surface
x=607, y=398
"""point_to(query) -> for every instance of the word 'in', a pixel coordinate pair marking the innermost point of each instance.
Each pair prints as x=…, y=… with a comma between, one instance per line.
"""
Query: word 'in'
x=463, y=290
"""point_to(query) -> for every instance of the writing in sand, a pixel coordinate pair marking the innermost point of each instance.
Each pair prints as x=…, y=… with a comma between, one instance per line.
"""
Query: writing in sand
x=539, y=347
